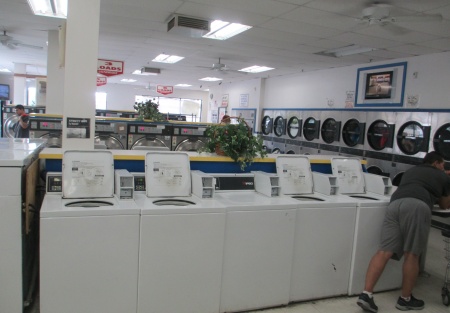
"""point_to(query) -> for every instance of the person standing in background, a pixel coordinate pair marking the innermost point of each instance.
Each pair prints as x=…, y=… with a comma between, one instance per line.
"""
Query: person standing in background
x=406, y=227
x=22, y=128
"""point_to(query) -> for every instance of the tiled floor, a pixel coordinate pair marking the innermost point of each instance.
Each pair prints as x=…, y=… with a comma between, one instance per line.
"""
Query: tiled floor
x=428, y=288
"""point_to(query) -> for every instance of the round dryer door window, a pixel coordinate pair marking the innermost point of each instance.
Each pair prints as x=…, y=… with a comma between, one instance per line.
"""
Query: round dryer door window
x=293, y=127
x=267, y=125
x=329, y=130
x=190, y=144
x=53, y=140
x=410, y=138
x=110, y=142
x=441, y=141
x=149, y=143
x=378, y=135
x=8, y=126
x=279, y=126
x=310, y=128
x=351, y=132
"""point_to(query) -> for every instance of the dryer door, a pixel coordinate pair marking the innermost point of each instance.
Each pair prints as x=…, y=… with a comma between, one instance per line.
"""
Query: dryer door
x=8, y=126
x=353, y=132
x=294, y=127
x=53, y=140
x=380, y=135
x=149, y=143
x=412, y=138
x=311, y=129
x=110, y=142
x=279, y=127
x=330, y=130
x=190, y=144
x=267, y=125
x=441, y=141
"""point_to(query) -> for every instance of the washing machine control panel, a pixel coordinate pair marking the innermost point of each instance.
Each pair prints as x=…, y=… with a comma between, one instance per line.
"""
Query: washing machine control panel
x=54, y=182
x=190, y=131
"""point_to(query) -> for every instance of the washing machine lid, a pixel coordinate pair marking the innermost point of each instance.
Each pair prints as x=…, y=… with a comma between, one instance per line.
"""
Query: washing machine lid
x=295, y=176
x=349, y=175
x=109, y=141
x=167, y=174
x=88, y=174
x=190, y=144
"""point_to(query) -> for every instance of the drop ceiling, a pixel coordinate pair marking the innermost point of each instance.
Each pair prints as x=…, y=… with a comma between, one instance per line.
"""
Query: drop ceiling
x=286, y=35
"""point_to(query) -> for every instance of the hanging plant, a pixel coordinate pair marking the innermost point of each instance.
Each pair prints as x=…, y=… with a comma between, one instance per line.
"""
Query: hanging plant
x=148, y=111
x=236, y=141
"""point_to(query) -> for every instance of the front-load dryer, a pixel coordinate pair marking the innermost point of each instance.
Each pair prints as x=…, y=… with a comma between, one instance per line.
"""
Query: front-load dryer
x=182, y=239
x=111, y=133
x=89, y=240
x=372, y=196
x=413, y=134
x=353, y=133
x=259, y=236
x=380, y=131
x=311, y=132
x=294, y=132
x=149, y=136
x=440, y=134
x=267, y=129
x=323, y=222
x=48, y=128
x=188, y=137
x=330, y=132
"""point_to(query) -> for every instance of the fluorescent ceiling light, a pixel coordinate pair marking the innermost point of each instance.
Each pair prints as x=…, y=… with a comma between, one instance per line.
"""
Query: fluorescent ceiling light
x=210, y=79
x=182, y=85
x=221, y=30
x=52, y=8
x=165, y=58
x=5, y=70
x=256, y=69
x=348, y=50
x=127, y=80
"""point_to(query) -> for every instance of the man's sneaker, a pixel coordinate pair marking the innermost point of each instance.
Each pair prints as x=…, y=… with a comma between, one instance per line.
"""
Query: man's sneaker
x=412, y=304
x=367, y=303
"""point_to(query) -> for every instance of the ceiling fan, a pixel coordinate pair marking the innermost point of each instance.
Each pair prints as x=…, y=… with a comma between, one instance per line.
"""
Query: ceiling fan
x=12, y=43
x=379, y=13
x=221, y=67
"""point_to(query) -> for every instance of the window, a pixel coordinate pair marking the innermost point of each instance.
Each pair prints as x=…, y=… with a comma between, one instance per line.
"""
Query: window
x=191, y=108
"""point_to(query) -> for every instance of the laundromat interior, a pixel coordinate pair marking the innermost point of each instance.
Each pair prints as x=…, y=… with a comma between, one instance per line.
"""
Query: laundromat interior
x=104, y=211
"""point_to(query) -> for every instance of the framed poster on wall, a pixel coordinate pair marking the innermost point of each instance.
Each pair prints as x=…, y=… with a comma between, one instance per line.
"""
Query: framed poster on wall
x=222, y=112
x=381, y=86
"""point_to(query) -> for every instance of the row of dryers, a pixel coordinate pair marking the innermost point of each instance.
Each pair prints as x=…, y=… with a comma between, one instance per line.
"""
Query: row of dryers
x=122, y=134
x=391, y=142
x=215, y=242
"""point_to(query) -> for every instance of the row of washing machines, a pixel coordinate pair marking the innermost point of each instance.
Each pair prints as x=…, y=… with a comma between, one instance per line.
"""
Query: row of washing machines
x=206, y=242
x=391, y=142
x=121, y=135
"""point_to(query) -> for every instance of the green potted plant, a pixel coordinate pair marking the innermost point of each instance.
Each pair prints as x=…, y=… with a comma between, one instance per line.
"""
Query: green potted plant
x=148, y=111
x=236, y=141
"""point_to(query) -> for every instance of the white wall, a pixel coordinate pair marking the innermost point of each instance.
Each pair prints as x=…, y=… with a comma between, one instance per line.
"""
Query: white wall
x=121, y=97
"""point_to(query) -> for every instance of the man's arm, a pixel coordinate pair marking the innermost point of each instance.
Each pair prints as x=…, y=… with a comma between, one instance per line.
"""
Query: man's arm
x=444, y=202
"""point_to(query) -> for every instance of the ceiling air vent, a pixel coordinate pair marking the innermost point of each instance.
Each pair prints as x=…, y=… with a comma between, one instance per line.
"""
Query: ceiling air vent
x=188, y=26
x=150, y=71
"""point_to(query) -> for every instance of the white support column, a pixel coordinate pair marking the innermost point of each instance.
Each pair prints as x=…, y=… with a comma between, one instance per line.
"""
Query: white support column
x=20, y=84
x=55, y=75
x=80, y=71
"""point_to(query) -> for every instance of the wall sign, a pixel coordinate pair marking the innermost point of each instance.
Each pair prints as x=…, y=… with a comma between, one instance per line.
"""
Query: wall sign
x=164, y=90
x=109, y=67
x=225, y=101
x=243, y=100
x=101, y=81
x=78, y=127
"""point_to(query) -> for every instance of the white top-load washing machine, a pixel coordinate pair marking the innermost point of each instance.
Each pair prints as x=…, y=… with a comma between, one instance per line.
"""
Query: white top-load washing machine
x=372, y=195
x=324, y=231
x=89, y=240
x=259, y=237
x=182, y=237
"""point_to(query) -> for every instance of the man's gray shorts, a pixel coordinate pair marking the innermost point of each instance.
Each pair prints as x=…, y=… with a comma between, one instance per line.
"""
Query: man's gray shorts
x=406, y=227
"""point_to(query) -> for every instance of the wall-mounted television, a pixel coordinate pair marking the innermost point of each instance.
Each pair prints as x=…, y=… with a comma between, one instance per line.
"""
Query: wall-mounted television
x=4, y=92
x=379, y=85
